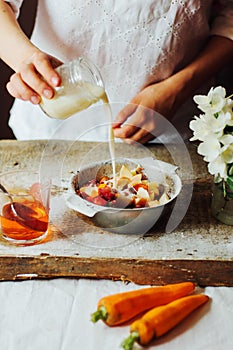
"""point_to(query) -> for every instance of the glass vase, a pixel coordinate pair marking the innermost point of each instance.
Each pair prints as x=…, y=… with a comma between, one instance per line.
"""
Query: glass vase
x=222, y=203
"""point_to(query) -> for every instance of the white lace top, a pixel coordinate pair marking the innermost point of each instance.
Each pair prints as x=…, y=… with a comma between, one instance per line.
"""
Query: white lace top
x=132, y=42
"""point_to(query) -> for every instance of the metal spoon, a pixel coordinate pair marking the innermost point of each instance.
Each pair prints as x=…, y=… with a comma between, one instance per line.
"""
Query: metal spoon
x=4, y=190
x=20, y=207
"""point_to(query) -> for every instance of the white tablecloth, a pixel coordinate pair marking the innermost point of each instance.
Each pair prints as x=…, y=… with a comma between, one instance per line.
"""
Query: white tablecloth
x=55, y=315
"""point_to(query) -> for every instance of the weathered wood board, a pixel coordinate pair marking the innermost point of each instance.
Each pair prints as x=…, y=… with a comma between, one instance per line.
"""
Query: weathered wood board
x=198, y=249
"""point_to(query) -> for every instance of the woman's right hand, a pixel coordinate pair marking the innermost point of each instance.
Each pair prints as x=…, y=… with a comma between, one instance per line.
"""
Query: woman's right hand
x=35, y=77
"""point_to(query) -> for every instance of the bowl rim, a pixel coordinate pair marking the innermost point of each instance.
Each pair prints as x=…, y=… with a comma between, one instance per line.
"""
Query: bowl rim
x=74, y=198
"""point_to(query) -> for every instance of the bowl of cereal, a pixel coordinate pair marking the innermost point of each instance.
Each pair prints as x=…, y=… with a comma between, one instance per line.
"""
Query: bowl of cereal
x=129, y=200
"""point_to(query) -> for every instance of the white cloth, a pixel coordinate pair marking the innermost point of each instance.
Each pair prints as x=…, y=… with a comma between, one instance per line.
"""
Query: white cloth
x=55, y=315
x=132, y=42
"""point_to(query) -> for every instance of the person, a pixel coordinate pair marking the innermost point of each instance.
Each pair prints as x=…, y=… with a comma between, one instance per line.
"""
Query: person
x=151, y=54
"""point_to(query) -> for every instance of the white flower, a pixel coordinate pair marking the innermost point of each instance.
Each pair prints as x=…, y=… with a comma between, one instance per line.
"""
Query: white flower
x=218, y=168
x=227, y=154
x=205, y=126
x=214, y=102
x=198, y=125
x=210, y=149
x=213, y=129
x=226, y=139
x=228, y=106
x=217, y=124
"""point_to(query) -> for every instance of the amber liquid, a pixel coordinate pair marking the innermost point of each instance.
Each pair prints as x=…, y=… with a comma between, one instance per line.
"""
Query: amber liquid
x=25, y=221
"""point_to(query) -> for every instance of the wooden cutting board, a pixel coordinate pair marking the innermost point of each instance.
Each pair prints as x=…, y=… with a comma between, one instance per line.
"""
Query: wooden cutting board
x=198, y=248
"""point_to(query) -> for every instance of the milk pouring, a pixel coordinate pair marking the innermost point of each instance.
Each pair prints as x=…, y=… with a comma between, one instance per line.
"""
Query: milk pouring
x=81, y=86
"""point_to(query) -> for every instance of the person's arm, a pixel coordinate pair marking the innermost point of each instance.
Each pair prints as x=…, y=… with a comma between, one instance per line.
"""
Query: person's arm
x=167, y=96
x=29, y=63
x=14, y=44
x=217, y=54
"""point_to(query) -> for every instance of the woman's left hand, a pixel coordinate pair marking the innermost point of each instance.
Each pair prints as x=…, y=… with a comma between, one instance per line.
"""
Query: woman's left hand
x=166, y=96
x=143, y=110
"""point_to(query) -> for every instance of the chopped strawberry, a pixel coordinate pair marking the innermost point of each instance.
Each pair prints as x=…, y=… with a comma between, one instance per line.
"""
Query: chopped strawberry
x=107, y=193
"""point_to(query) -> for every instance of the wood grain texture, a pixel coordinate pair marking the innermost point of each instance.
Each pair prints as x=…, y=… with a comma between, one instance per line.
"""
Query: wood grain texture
x=199, y=249
x=142, y=272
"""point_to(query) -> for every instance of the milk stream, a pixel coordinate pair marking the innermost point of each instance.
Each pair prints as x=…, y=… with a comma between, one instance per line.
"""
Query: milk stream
x=69, y=100
x=108, y=112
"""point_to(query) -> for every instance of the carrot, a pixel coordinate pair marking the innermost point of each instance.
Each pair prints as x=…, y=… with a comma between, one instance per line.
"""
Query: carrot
x=118, y=308
x=161, y=319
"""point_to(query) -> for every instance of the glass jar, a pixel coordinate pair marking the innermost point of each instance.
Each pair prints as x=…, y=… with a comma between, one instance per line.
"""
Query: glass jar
x=222, y=203
x=81, y=86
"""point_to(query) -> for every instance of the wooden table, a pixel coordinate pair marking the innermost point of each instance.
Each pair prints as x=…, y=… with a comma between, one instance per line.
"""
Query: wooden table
x=199, y=249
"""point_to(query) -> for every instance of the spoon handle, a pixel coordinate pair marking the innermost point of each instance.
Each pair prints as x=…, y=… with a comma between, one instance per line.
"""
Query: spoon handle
x=6, y=192
x=3, y=189
x=11, y=199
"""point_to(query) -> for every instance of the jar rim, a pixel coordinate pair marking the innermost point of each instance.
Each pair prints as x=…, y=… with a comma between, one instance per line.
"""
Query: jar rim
x=93, y=69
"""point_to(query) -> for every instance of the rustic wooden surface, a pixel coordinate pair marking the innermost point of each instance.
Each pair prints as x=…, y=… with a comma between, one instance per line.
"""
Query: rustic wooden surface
x=199, y=249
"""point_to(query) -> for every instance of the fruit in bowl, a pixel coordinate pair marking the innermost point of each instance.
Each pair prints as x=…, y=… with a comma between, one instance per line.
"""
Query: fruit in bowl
x=128, y=189
x=129, y=202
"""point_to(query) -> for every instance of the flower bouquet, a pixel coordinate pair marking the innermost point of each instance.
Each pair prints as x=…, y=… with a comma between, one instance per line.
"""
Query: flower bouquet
x=214, y=128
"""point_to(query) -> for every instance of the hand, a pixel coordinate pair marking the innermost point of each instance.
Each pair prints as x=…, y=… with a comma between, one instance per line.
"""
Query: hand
x=36, y=77
x=145, y=124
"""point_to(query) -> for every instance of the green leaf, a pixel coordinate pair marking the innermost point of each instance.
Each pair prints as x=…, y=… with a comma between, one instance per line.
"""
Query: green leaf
x=230, y=170
x=230, y=186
